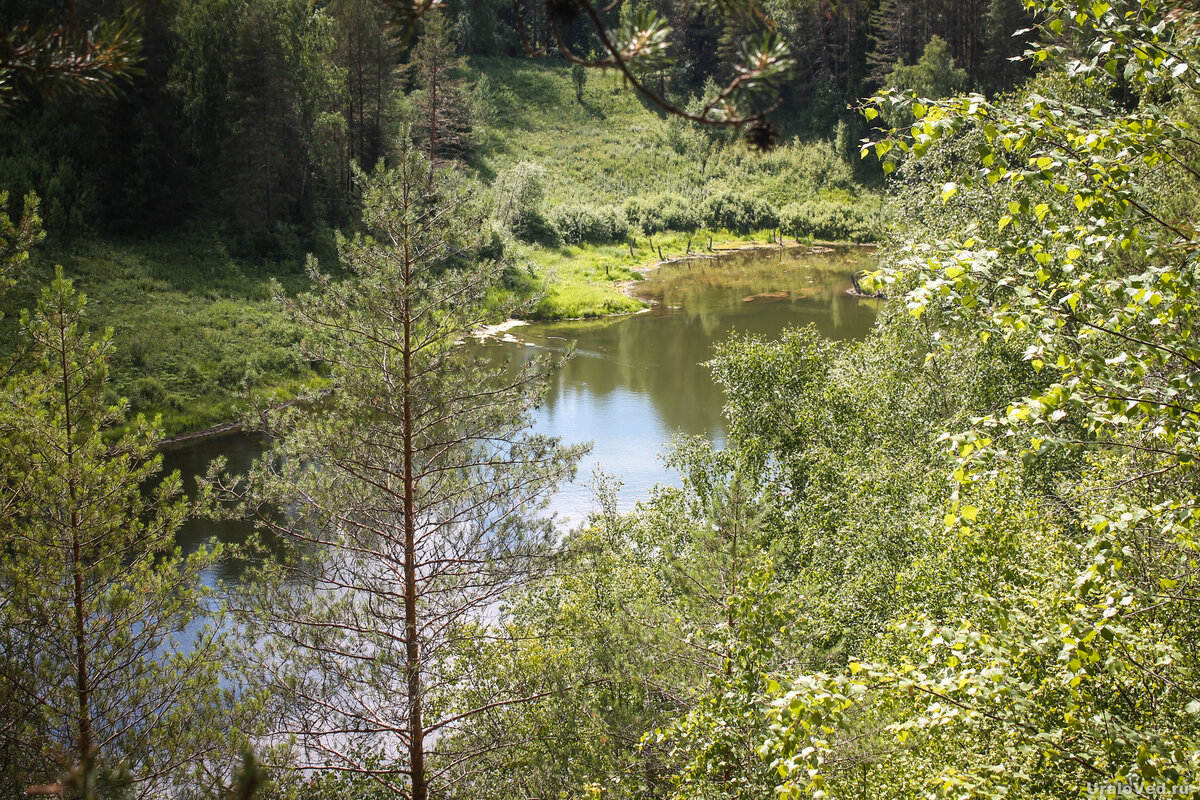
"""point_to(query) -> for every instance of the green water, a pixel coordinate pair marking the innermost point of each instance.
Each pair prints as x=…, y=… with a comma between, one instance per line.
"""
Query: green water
x=637, y=381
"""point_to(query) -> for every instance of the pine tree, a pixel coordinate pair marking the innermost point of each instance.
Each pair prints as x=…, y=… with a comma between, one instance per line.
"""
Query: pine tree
x=262, y=100
x=891, y=34
x=367, y=56
x=94, y=592
x=934, y=76
x=16, y=238
x=442, y=121
x=411, y=491
x=1004, y=19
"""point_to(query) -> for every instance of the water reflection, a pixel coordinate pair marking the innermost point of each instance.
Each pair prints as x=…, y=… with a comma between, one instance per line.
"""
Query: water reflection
x=637, y=381
x=193, y=461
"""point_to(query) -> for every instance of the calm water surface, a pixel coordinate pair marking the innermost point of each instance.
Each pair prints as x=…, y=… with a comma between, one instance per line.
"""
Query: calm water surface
x=638, y=381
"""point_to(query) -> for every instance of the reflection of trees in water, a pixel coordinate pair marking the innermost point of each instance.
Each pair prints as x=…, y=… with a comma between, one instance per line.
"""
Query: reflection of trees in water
x=657, y=354
x=191, y=461
x=656, y=357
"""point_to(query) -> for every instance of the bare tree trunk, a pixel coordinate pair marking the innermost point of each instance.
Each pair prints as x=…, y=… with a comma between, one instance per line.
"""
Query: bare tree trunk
x=266, y=121
x=380, y=77
x=412, y=661
x=433, y=120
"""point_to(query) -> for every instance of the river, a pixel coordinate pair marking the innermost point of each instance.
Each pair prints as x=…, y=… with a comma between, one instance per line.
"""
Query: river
x=637, y=381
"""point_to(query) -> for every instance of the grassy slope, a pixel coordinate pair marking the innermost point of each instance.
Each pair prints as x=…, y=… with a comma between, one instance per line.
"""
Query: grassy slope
x=586, y=281
x=194, y=328
x=610, y=147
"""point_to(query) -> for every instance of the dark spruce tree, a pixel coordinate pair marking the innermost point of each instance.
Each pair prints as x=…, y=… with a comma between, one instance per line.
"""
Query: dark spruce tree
x=442, y=118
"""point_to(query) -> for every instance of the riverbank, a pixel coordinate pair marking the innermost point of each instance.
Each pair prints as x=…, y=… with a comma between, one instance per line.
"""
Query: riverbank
x=197, y=326
x=591, y=281
x=198, y=334
x=638, y=380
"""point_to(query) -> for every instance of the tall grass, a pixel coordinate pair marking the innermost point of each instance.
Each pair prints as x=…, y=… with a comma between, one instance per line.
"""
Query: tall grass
x=192, y=328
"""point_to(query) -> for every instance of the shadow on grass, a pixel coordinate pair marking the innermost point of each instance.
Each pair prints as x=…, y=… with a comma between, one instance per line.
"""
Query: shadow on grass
x=593, y=109
x=189, y=264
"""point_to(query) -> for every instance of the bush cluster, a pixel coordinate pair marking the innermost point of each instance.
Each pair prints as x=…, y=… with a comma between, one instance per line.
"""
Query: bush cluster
x=662, y=212
x=590, y=224
x=835, y=220
x=520, y=195
x=738, y=212
x=837, y=215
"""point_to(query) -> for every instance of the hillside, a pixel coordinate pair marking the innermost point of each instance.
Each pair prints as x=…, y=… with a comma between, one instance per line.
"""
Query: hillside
x=667, y=182
x=197, y=326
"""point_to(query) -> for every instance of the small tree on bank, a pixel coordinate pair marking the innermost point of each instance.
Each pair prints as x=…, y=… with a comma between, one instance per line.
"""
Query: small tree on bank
x=578, y=80
x=412, y=493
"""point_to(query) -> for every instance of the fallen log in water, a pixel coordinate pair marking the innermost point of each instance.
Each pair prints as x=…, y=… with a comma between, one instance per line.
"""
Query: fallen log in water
x=766, y=296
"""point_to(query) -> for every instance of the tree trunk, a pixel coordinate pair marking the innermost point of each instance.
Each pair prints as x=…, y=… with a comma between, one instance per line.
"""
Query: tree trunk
x=433, y=120
x=266, y=122
x=82, y=687
x=412, y=661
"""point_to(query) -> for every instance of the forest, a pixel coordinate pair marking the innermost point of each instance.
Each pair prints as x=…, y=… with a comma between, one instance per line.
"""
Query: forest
x=937, y=539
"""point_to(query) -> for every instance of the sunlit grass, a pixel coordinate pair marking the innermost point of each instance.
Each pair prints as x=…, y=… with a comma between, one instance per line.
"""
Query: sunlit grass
x=610, y=147
x=586, y=281
x=196, y=330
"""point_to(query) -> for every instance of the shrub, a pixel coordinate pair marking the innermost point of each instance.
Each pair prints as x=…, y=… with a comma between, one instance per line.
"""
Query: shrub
x=147, y=394
x=832, y=220
x=520, y=192
x=491, y=243
x=789, y=174
x=738, y=212
x=661, y=212
x=595, y=224
x=534, y=227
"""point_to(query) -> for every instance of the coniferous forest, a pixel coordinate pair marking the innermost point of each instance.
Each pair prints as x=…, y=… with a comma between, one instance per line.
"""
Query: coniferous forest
x=309, y=309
